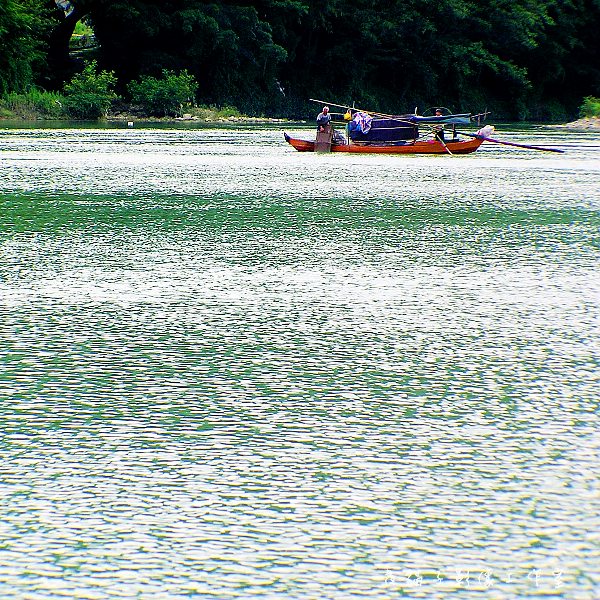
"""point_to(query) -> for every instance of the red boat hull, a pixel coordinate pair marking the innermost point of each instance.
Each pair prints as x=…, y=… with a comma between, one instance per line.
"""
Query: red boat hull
x=424, y=147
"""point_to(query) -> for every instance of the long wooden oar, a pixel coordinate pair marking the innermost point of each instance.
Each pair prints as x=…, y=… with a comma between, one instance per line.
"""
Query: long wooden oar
x=446, y=147
x=439, y=139
x=487, y=139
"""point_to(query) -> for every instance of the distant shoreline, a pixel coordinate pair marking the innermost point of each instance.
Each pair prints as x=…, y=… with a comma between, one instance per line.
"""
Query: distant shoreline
x=189, y=118
x=141, y=121
x=198, y=114
x=584, y=124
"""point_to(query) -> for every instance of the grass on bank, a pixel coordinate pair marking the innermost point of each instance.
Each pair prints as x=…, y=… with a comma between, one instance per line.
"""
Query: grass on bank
x=32, y=105
x=40, y=105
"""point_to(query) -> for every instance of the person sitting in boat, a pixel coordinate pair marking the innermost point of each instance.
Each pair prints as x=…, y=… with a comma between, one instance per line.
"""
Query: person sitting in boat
x=323, y=119
x=439, y=129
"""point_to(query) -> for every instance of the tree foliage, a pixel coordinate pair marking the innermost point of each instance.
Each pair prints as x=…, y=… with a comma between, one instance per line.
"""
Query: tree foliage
x=590, y=107
x=23, y=26
x=521, y=58
x=166, y=95
x=90, y=93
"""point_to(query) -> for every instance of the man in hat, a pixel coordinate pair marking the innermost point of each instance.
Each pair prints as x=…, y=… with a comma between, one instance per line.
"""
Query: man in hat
x=323, y=119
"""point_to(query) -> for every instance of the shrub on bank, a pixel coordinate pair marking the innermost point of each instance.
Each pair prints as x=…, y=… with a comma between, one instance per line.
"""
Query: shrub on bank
x=165, y=96
x=590, y=107
x=214, y=113
x=89, y=94
x=34, y=104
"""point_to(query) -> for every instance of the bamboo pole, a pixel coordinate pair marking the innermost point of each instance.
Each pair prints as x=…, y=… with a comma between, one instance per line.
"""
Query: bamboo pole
x=529, y=147
x=370, y=112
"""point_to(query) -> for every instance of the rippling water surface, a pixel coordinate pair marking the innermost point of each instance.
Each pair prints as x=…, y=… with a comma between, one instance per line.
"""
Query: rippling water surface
x=231, y=370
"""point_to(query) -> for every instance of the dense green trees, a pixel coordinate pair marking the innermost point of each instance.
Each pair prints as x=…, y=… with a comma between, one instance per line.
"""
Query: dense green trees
x=24, y=28
x=527, y=59
x=522, y=58
x=228, y=49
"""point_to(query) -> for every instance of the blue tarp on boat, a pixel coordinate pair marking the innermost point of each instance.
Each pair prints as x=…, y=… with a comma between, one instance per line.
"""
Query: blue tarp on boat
x=381, y=130
x=460, y=119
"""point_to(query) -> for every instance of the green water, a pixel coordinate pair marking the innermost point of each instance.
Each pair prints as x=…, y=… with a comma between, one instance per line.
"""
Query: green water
x=231, y=370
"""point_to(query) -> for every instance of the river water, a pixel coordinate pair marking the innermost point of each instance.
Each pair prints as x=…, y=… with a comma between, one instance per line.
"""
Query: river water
x=231, y=370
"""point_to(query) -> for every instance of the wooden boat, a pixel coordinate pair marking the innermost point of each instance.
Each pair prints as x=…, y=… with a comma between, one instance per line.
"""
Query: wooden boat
x=409, y=147
x=369, y=132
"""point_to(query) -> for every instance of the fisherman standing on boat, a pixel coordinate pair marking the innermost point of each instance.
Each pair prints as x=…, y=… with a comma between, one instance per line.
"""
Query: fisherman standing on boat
x=323, y=119
x=439, y=129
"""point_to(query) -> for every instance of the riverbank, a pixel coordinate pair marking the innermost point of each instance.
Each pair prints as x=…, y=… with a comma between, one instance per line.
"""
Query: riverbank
x=200, y=114
x=586, y=123
x=29, y=111
x=223, y=116
x=194, y=118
